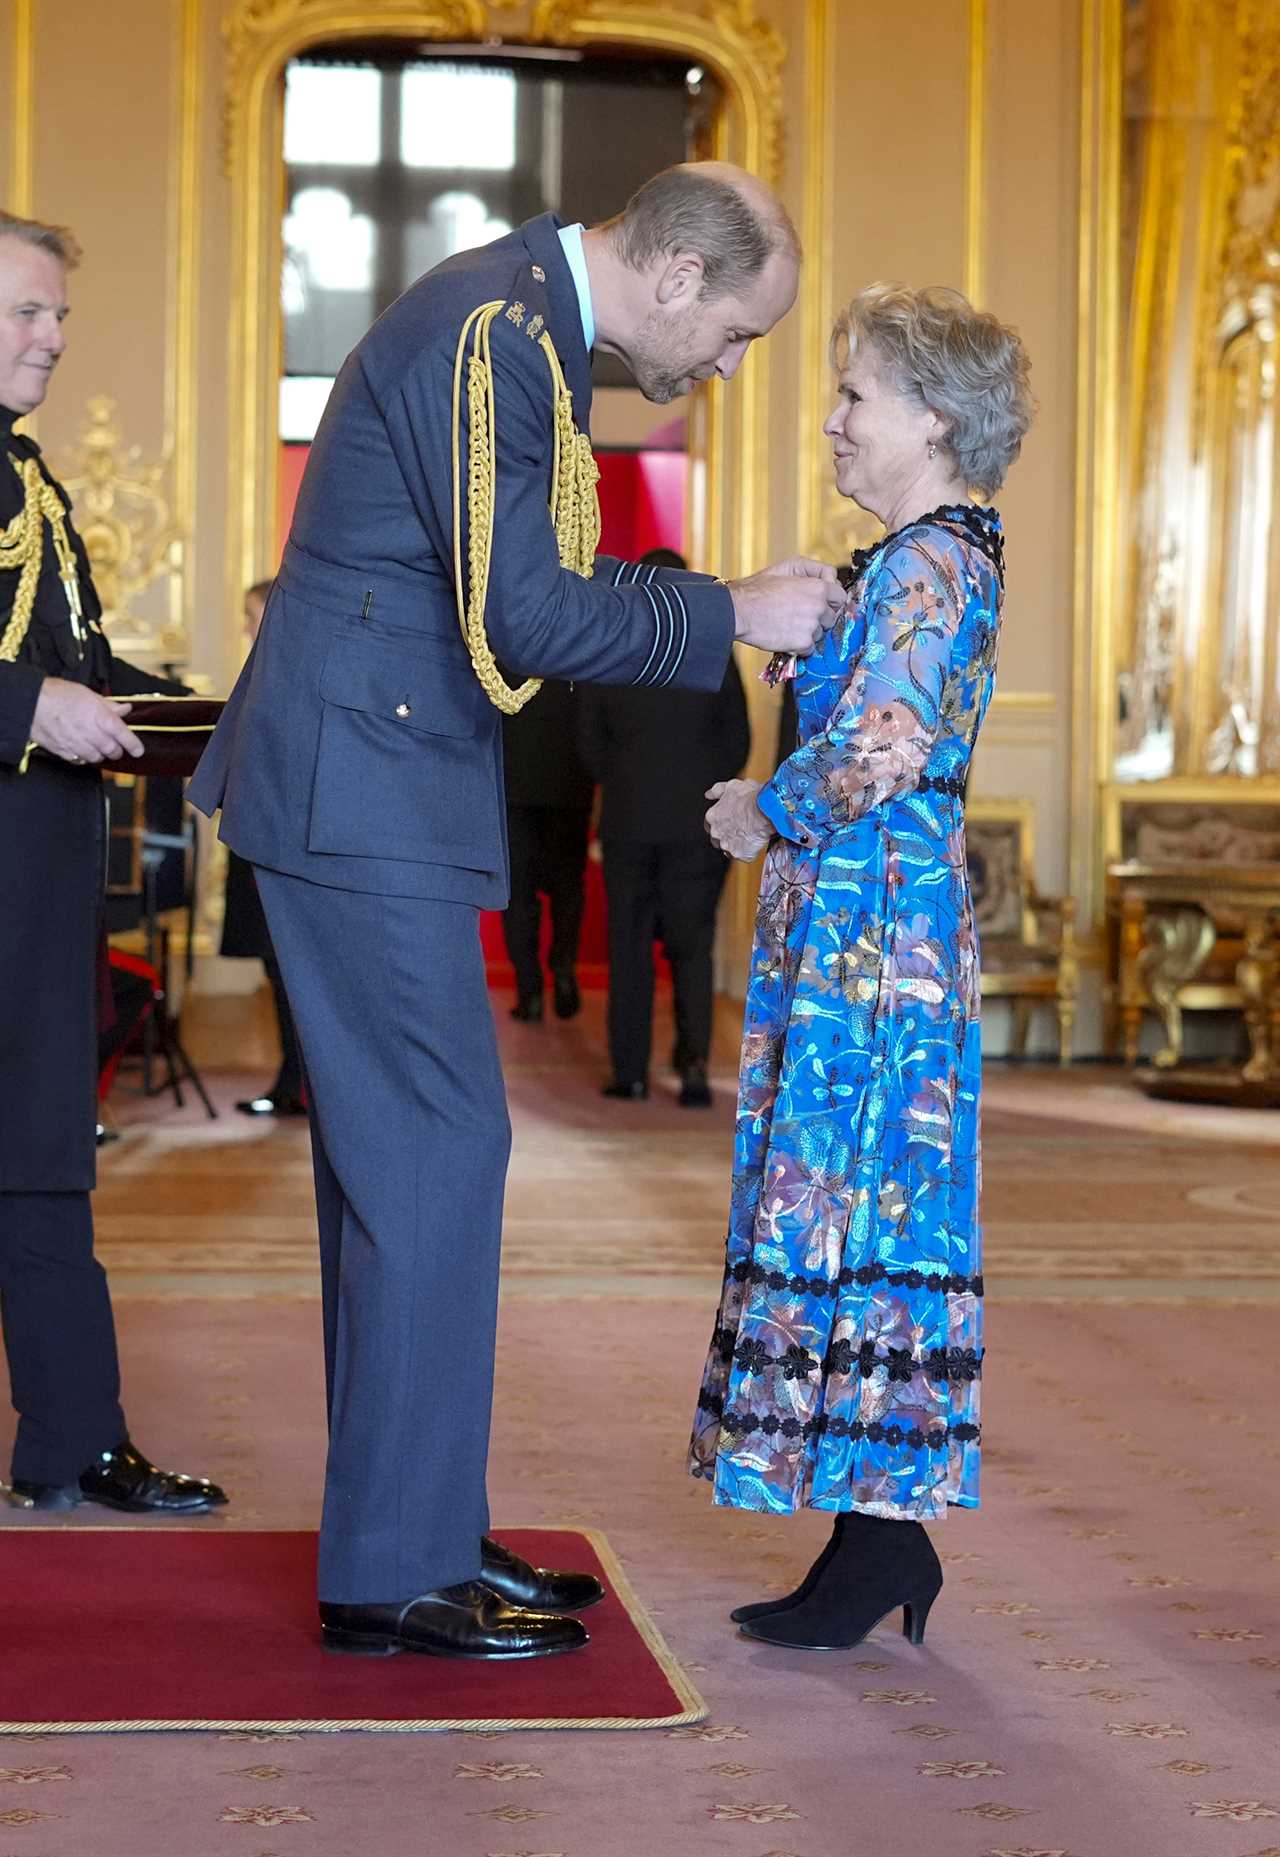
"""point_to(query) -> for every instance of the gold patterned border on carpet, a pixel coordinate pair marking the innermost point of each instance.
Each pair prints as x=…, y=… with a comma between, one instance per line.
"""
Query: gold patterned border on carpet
x=694, y=1708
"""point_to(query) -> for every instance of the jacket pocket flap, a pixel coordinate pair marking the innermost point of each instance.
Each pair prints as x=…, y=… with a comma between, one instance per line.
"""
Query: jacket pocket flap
x=408, y=687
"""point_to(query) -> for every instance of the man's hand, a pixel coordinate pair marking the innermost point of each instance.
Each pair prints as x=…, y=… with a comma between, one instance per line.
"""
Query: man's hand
x=735, y=824
x=787, y=607
x=77, y=724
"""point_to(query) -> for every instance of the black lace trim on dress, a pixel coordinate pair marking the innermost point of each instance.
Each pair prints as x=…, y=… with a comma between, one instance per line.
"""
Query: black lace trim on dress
x=745, y=1424
x=953, y=1366
x=744, y=1271
x=954, y=784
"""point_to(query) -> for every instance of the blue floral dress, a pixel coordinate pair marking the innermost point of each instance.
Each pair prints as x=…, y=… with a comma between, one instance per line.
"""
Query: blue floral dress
x=844, y=1367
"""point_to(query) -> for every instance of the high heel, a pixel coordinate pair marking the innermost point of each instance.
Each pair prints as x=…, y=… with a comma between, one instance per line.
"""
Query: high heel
x=877, y=1566
x=915, y=1615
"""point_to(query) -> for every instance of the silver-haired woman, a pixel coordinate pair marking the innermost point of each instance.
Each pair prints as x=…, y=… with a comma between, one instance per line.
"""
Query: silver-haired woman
x=845, y=1365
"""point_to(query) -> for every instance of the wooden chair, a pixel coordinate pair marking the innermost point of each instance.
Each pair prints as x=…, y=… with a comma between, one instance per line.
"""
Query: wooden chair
x=1027, y=938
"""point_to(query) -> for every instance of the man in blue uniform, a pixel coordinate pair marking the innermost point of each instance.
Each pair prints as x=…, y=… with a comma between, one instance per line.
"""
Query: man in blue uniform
x=56, y=726
x=447, y=523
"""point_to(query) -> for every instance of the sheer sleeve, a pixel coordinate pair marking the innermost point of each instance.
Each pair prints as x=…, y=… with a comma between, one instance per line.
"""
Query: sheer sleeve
x=883, y=728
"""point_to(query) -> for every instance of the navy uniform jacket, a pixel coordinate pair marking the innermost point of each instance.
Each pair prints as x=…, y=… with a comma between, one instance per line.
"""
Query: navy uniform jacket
x=358, y=748
x=51, y=858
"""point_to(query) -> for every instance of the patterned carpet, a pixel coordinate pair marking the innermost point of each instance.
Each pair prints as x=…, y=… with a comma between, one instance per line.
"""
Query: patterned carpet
x=1102, y=1675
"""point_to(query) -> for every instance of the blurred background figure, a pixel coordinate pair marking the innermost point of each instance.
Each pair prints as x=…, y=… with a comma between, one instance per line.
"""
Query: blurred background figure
x=549, y=795
x=655, y=753
x=245, y=936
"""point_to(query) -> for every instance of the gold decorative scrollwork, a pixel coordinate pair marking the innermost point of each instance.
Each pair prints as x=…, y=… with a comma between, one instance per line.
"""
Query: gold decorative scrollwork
x=254, y=22
x=125, y=520
x=729, y=34
x=1252, y=253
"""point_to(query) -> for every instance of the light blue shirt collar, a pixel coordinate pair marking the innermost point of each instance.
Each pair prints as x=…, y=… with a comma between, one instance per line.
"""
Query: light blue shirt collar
x=571, y=239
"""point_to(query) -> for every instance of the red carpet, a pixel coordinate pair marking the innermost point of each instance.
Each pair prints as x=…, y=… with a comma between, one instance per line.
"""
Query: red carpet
x=125, y=1628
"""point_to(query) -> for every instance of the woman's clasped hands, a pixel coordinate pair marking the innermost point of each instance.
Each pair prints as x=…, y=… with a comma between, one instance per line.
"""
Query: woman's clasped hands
x=735, y=823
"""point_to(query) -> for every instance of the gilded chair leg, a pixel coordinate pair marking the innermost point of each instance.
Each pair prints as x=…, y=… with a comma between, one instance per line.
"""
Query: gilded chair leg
x=1020, y=1027
x=1066, y=1030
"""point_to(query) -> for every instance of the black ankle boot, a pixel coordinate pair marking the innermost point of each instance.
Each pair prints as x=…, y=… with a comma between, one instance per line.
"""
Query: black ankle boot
x=876, y=1567
x=761, y=1608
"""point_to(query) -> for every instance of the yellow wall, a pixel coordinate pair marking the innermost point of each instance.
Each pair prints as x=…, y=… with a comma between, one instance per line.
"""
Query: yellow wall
x=883, y=117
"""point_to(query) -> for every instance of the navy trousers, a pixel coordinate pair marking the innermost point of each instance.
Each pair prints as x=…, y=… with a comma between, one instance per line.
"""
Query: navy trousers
x=410, y=1141
x=59, y=1336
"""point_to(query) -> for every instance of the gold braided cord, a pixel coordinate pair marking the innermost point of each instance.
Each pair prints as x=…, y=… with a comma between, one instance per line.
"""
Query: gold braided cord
x=22, y=550
x=573, y=501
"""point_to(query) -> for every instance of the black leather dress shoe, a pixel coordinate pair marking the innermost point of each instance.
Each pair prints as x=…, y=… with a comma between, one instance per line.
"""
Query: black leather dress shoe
x=124, y=1479
x=695, y=1091
x=568, y=1000
x=626, y=1092
x=540, y=1588
x=458, y=1621
x=272, y=1104
x=528, y=1009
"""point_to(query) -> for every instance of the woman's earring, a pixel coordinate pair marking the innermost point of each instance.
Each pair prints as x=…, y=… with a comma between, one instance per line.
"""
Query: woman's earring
x=933, y=451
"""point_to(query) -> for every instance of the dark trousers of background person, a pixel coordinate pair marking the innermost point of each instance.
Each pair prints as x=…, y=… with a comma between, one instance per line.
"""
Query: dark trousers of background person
x=548, y=858
x=673, y=891
x=59, y=1336
x=289, y=1079
x=245, y=936
x=410, y=1138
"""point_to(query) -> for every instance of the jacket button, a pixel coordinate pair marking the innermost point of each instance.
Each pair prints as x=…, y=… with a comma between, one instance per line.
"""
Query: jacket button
x=403, y=709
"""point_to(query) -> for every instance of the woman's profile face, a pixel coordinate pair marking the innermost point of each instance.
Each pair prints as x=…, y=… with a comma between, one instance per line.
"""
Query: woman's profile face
x=879, y=435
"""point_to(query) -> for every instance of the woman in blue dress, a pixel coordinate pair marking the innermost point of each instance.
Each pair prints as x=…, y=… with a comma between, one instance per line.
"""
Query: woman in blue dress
x=845, y=1365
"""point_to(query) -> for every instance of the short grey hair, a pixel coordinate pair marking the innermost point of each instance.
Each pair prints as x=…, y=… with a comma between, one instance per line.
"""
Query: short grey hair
x=968, y=367
x=58, y=241
x=681, y=209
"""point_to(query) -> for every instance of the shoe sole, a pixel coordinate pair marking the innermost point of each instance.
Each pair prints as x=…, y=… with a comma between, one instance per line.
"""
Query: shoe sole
x=152, y=1508
x=346, y=1644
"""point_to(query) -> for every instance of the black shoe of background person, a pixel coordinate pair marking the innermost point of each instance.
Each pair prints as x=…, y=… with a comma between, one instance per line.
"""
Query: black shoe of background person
x=695, y=1091
x=458, y=1621
x=124, y=1479
x=540, y=1589
x=528, y=1009
x=626, y=1092
x=568, y=1000
x=274, y=1102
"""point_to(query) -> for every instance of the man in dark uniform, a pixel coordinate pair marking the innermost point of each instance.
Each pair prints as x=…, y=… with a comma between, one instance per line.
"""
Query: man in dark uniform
x=448, y=522
x=55, y=727
x=548, y=794
x=655, y=755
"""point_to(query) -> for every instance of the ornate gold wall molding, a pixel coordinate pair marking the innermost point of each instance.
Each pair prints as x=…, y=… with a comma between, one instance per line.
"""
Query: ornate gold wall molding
x=1195, y=639
x=125, y=521
x=1251, y=253
x=1097, y=513
x=1020, y=719
x=22, y=127
x=975, y=269
x=830, y=525
x=181, y=386
x=261, y=36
